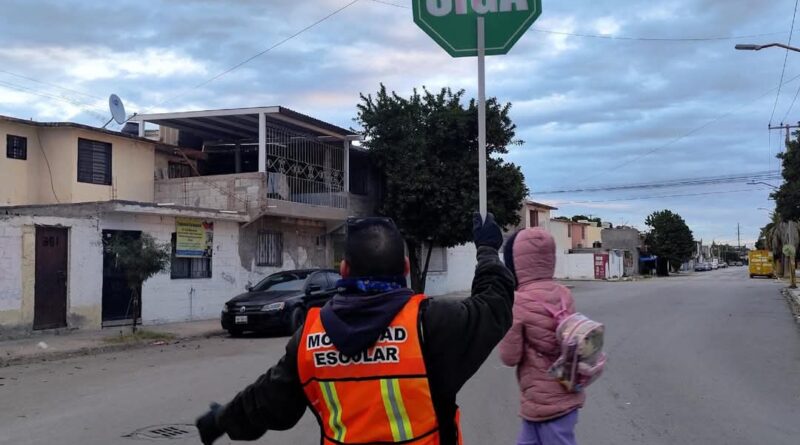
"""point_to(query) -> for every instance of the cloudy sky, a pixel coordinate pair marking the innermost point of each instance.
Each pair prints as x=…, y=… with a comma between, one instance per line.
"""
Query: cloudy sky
x=591, y=110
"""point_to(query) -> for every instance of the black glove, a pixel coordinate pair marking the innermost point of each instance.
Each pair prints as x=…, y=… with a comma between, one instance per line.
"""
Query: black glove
x=486, y=233
x=207, y=425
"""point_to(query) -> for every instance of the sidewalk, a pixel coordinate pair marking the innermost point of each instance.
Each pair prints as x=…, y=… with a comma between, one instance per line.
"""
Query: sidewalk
x=62, y=345
x=793, y=298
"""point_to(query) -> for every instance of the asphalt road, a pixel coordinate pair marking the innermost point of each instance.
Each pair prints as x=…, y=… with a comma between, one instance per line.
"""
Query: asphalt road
x=712, y=358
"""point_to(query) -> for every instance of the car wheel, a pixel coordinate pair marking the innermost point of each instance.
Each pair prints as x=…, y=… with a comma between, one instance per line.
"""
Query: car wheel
x=297, y=318
x=235, y=332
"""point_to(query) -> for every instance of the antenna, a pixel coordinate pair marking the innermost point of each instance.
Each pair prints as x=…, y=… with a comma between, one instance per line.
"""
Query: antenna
x=117, y=110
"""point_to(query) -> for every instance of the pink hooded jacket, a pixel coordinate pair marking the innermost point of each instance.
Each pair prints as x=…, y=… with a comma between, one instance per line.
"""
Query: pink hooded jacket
x=531, y=343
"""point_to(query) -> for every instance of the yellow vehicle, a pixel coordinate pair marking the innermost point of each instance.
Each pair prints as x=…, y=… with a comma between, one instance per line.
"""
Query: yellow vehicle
x=761, y=263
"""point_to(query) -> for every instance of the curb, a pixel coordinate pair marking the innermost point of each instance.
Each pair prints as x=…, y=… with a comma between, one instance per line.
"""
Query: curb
x=794, y=304
x=102, y=349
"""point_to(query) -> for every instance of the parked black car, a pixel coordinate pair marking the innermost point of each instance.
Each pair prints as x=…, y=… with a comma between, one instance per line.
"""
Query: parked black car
x=279, y=302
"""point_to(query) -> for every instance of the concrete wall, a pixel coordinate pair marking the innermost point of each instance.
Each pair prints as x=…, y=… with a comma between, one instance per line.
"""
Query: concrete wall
x=163, y=299
x=241, y=192
x=17, y=261
x=576, y=266
x=593, y=235
x=305, y=245
x=171, y=300
x=559, y=231
x=246, y=192
x=625, y=239
x=616, y=268
x=461, y=262
x=28, y=182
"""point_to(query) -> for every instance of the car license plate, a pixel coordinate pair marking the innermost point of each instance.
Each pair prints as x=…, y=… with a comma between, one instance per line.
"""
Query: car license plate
x=240, y=319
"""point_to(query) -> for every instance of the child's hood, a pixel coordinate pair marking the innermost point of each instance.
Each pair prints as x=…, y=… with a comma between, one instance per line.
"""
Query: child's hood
x=534, y=256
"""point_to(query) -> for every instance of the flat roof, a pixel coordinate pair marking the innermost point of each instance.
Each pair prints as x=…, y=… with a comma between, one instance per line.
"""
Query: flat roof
x=242, y=123
x=76, y=210
x=540, y=205
x=160, y=146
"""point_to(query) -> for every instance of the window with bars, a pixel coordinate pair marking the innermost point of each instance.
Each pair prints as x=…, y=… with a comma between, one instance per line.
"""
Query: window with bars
x=269, y=249
x=189, y=268
x=16, y=147
x=94, y=162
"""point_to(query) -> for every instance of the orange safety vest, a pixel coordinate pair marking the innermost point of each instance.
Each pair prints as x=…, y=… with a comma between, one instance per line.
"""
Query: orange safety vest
x=379, y=396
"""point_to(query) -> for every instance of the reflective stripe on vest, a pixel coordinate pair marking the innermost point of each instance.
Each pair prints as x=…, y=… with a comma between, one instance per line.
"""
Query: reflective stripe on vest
x=381, y=395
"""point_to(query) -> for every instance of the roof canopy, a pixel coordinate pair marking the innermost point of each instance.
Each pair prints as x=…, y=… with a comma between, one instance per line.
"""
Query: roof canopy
x=242, y=123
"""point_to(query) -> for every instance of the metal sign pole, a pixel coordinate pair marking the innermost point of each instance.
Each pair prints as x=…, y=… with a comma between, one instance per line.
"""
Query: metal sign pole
x=482, y=117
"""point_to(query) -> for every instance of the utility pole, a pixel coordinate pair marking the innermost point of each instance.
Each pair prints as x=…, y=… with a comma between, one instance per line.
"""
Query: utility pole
x=786, y=127
x=738, y=240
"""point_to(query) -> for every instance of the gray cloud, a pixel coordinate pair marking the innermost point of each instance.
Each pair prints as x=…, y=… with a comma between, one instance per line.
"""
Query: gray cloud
x=584, y=106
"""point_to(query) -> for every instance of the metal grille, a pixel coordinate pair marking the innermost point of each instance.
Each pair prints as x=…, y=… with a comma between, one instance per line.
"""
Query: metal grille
x=269, y=251
x=94, y=162
x=16, y=147
x=303, y=169
x=164, y=432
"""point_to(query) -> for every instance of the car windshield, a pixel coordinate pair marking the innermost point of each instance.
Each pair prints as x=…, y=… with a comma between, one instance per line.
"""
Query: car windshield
x=282, y=282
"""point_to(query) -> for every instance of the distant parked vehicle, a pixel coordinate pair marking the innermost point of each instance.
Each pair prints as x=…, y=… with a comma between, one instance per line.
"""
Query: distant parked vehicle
x=714, y=265
x=739, y=264
x=723, y=265
x=702, y=267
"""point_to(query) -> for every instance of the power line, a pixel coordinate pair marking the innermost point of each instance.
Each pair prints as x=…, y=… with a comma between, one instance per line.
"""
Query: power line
x=710, y=180
x=692, y=131
x=642, y=198
x=260, y=53
x=26, y=90
x=50, y=84
x=785, y=59
x=654, y=39
x=610, y=37
x=391, y=4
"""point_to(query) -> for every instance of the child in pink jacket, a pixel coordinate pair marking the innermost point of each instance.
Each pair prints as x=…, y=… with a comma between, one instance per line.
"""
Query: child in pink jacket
x=549, y=412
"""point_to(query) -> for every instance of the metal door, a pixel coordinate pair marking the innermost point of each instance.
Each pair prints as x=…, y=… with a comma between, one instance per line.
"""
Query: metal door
x=50, y=290
x=117, y=295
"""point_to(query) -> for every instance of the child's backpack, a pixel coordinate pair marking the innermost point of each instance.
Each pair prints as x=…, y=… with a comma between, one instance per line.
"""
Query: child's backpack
x=582, y=359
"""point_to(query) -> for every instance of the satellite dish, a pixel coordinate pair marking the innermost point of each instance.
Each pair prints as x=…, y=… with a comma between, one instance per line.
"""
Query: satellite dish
x=117, y=110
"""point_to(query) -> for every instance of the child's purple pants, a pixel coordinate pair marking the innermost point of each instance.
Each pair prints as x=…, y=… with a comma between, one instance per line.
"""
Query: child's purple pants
x=559, y=431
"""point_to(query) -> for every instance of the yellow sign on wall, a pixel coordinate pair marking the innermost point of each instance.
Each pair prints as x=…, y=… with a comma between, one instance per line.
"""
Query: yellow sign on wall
x=194, y=238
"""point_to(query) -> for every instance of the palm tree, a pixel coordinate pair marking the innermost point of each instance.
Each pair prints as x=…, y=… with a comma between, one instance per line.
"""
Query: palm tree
x=783, y=238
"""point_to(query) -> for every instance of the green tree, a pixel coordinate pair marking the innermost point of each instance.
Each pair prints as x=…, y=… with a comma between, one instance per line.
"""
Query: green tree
x=670, y=238
x=426, y=147
x=787, y=197
x=577, y=218
x=140, y=259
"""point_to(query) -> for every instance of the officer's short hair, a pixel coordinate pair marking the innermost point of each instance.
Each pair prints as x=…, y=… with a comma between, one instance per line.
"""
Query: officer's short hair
x=374, y=248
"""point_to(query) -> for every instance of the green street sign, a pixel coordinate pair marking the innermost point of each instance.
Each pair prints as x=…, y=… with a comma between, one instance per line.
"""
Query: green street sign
x=453, y=23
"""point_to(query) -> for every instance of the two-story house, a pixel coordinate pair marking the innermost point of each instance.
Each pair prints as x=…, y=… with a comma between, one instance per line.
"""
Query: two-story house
x=268, y=189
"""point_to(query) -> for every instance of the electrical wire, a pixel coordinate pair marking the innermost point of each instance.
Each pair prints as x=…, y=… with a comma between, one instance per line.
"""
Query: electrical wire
x=655, y=39
x=685, y=182
x=51, y=84
x=610, y=37
x=259, y=54
x=785, y=59
x=49, y=170
x=690, y=132
x=644, y=198
x=82, y=105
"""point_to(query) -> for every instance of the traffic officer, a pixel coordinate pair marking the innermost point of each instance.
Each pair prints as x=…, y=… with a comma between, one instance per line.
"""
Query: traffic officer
x=377, y=363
